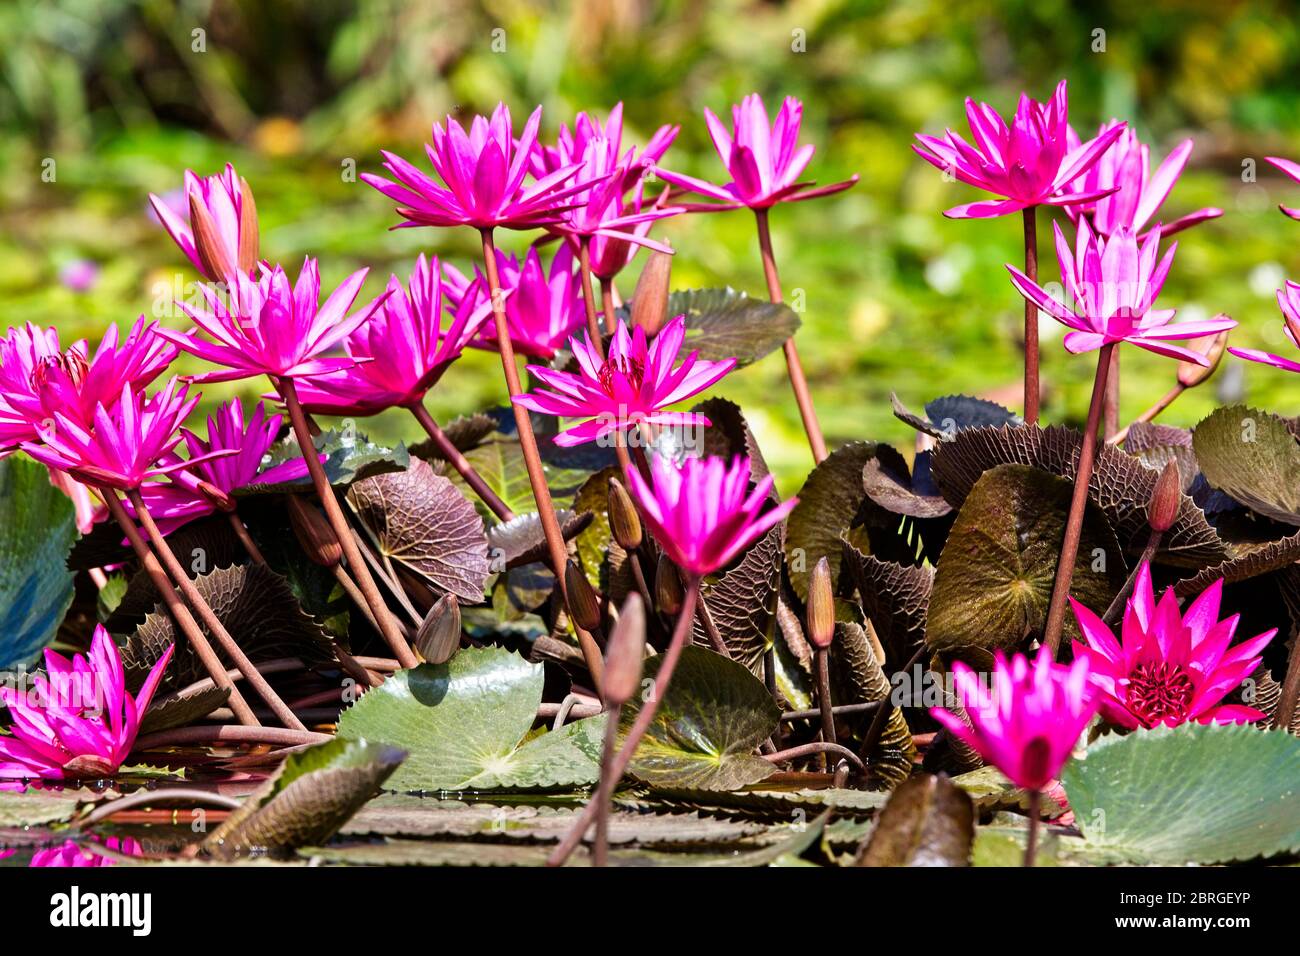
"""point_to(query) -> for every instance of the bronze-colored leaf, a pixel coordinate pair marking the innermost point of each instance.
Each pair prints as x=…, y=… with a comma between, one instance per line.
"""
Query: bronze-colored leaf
x=893, y=491
x=420, y=520
x=829, y=501
x=1121, y=485
x=180, y=708
x=1246, y=564
x=895, y=597
x=742, y=601
x=928, y=821
x=860, y=678
x=522, y=541
x=996, y=574
x=729, y=435
x=1254, y=457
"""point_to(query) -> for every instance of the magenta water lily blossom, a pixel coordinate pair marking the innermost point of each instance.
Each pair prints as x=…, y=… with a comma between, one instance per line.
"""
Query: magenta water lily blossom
x=705, y=511
x=78, y=720
x=266, y=326
x=1112, y=285
x=763, y=157
x=1169, y=666
x=482, y=171
x=1139, y=194
x=1027, y=723
x=633, y=385
x=228, y=223
x=400, y=351
x=1028, y=163
x=1288, y=300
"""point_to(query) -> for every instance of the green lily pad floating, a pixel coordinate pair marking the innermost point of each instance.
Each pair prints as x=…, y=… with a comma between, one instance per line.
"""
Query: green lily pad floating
x=706, y=728
x=1252, y=456
x=995, y=577
x=37, y=529
x=464, y=723
x=1201, y=794
x=32, y=807
x=724, y=323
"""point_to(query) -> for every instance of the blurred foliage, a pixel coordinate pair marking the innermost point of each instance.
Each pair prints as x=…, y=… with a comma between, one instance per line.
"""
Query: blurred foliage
x=103, y=101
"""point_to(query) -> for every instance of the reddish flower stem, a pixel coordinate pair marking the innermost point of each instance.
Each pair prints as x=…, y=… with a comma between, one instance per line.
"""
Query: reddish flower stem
x=533, y=459
x=1286, y=706
x=245, y=538
x=802, y=396
x=179, y=612
x=607, y=303
x=886, y=710
x=711, y=627
x=1079, y=500
x=228, y=734
x=817, y=747
x=1110, y=409
x=460, y=463
x=823, y=663
x=1031, y=841
x=338, y=521
x=618, y=765
x=209, y=617
x=605, y=793
x=589, y=295
x=1030, y=214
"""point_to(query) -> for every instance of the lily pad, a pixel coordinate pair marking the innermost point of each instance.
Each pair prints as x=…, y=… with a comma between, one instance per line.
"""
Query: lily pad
x=350, y=456
x=742, y=601
x=37, y=529
x=706, y=728
x=895, y=597
x=464, y=724
x=420, y=520
x=828, y=502
x=1195, y=793
x=729, y=435
x=1254, y=457
x=995, y=577
x=724, y=323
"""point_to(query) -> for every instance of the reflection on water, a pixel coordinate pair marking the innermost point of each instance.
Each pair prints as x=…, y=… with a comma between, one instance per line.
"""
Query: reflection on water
x=78, y=852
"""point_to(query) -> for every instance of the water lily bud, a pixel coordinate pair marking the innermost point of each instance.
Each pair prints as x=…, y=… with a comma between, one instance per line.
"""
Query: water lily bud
x=625, y=653
x=821, y=605
x=650, y=297
x=1190, y=374
x=1166, y=498
x=668, y=587
x=248, y=238
x=624, y=522
x=584, y=603
x=438, y=637
x=220, y=499
x=207, y=241
x=314, y=533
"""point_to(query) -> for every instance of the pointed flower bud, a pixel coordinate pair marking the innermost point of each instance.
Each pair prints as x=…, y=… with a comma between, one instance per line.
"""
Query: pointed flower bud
x=821, y=606
x=624, y=522
x=314, y=533
x=438, y=637
x=650, y=298
x=625, y=654
x=584, y=603
x=1191, y=374
x=668, y=587
x=1166, y=498
x=248, y=237
x=208, y=243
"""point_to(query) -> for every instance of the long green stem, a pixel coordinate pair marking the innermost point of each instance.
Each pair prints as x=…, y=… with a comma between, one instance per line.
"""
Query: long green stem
x=1078, y=501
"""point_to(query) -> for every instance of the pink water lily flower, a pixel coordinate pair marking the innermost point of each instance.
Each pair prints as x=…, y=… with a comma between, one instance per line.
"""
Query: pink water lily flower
x=1293, y=171
x=1288, y=300
x=1027, y=724
x=401, y=350
x=125, y=445
x=482, y=172
x=543, y=308
x=75, y=854
x=704, y=512
x=1126, y=165
x=77, y=720
x=571, y=147
x=763, y=157
x=633, y=384
x=264, y=326
x=202, y=483
x=1169, y=667
x=1029, y=163
x=39, y=379
x=226, y=201
x=1112, y=285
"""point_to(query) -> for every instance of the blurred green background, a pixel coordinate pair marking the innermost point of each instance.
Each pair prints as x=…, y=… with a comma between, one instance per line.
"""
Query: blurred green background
x=112, y=99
